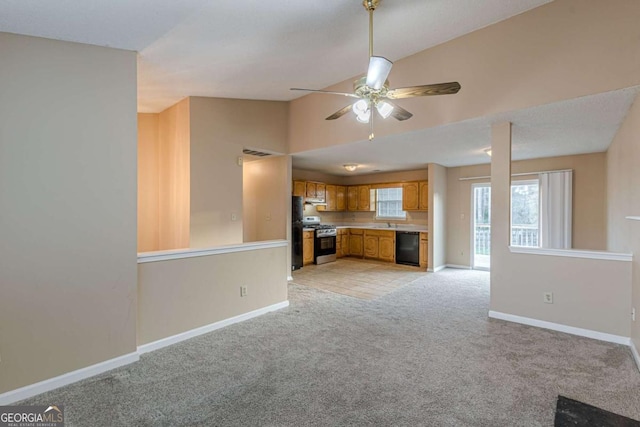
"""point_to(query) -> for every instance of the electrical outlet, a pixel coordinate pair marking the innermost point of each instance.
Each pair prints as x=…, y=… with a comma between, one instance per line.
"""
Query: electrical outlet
x=461, y=216
x=548, y=297
x=234, y=216
x=243, y=291
x=633, y=314
x=461, y=252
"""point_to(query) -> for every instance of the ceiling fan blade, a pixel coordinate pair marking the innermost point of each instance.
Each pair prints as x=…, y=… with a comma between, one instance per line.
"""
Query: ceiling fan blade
x=379, y=69
x=399, y=113
x=328, y=92
x=341, y=112
x=424, y=90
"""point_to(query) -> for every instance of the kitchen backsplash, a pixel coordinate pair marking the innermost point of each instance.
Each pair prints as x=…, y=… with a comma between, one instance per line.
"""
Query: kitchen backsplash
x=415, y=217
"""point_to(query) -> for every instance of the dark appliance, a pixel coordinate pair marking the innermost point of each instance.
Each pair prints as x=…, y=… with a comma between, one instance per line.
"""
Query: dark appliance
x=324, y=241
x=408, y=248
x=297, y=214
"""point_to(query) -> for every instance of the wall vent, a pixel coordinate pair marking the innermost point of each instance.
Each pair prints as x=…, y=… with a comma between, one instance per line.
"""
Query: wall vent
x=255, y=153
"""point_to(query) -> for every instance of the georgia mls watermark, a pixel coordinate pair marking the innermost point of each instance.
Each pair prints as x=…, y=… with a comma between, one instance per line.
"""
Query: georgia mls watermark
x=32, y=416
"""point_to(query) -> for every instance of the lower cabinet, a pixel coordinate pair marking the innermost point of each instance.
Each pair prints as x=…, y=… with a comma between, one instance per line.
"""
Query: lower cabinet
x=356, y=243
x=380, y=245
x=342, y=243
x=387, y=249
x=424, y=247
x=370, y=246
x=307, y=247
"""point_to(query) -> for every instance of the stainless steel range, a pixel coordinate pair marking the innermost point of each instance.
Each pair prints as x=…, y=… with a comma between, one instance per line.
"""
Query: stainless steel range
x=324, y=242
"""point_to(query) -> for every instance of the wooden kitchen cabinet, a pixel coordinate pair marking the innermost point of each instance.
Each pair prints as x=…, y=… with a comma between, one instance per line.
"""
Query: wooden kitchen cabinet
x=344, y=239
x=424, y=247
x=364, y=197
x=380, y=245
x=307, y=247
x=371, y=246
x=310, y=190
x=410, y=196
x=356, y=242
x=341, y=198
x=424, y=195
x=330, y=198
x=342, y=242
x=359, y=198
x=299, y=188
x=387, y=248
x=320, y=190
x=415, y=196
x=352, y=198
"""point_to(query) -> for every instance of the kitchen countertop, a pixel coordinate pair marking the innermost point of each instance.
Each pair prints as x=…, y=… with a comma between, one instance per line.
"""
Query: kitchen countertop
x=418, y=228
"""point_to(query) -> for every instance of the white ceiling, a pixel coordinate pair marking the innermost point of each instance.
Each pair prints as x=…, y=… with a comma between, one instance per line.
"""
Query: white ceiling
x=251, y=49
x=256, y=49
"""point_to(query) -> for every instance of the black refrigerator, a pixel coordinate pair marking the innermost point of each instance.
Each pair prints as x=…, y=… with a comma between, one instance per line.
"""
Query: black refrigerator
x=297, y=212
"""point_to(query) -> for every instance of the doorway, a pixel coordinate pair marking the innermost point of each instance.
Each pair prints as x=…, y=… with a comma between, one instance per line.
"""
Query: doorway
x=481, y=241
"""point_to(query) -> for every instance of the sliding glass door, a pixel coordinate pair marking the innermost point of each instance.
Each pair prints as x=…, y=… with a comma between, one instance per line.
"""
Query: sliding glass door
x=481, y=194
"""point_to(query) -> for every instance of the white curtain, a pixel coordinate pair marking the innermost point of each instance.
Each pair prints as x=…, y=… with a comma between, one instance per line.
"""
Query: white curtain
x=555, y=209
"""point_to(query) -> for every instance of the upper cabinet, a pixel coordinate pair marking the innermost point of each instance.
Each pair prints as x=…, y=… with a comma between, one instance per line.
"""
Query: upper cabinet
x=341, y=198
x=334, y=196
x=299, y=188
x=415, y=196
x=359, y=198
x=424, y=195
x=352, y=198
x=330, y=197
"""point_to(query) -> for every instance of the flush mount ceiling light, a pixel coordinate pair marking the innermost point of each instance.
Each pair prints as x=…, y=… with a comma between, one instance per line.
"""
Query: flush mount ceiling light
x=373, y=90
x=350, y=167
x=488, y=151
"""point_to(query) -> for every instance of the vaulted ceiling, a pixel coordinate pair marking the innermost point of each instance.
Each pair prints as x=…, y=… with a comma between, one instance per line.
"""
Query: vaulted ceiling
x=250, y=49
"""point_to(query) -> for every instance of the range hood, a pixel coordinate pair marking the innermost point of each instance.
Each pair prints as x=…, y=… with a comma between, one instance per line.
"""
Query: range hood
x=315, y=201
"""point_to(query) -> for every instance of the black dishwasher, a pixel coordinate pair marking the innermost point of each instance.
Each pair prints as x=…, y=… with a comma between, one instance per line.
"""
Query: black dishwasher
x=408, y=247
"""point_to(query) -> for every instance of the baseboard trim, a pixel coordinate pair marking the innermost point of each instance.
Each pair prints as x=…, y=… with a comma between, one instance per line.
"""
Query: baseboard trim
x=65, y=379
x=289, y=278
x=460, y=267
x=164, y=342
x=634, y=352
x=601, y=336
x=435, y=270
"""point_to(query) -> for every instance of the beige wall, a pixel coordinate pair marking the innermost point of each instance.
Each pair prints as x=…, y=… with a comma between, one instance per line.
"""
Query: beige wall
x=587, y=293
x=623, y=193
x=220, y=129
x=208, y=291
x=266, y=199
x=148, y=183
x=68, y=197
x=437, y=252
x=589, y=200
x=539, y=57
x=174, y=133
x=163, y=179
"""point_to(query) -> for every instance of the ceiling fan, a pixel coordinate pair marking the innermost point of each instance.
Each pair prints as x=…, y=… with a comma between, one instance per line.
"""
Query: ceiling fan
x=373, y=90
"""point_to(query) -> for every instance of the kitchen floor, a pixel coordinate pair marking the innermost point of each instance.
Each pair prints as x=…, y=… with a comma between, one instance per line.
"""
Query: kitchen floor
x=357, y=278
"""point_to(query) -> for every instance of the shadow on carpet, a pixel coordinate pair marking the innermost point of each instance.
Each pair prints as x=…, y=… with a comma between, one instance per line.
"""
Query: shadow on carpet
x=570, y=412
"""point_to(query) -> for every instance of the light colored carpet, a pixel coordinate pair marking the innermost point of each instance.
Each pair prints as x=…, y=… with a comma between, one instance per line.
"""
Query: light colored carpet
x=357, y=278
x=424, y=355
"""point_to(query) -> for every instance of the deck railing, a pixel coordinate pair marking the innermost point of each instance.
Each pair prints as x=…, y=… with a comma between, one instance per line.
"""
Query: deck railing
x=521, y=235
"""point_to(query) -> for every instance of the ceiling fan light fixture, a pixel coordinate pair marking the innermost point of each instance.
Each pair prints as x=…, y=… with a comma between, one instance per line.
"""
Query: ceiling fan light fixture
x=350, y=167
x=379, y=69
x=384, y=108
x=364, y=116
x=363, y=113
